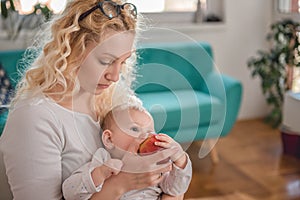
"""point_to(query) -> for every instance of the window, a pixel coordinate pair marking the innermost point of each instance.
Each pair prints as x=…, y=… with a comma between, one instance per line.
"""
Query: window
x=27, y=6
x=158, y=11
x=296, y=80
x=150, y=6
x=289, y=6
x=180, y=10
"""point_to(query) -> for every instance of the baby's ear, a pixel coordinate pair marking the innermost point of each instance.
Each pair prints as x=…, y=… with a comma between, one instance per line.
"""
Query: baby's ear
x=106, y=139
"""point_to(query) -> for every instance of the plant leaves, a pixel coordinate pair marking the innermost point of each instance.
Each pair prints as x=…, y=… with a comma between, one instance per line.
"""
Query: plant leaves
x=4, y=11
x=12, y=5
x=271, y=65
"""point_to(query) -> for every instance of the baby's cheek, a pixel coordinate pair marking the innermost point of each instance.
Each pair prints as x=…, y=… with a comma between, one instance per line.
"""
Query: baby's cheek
x=133, y=146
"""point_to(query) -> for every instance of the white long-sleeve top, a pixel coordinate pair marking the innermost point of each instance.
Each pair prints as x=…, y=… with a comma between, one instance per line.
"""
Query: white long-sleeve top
x=80, y=186
x=42, y=144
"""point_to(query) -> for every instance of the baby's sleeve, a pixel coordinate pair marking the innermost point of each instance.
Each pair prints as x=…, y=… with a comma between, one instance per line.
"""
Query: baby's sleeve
x=80, y=184
x=177, y=181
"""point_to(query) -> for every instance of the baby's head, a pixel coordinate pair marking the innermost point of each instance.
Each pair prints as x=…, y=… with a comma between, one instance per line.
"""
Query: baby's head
x=125, y=127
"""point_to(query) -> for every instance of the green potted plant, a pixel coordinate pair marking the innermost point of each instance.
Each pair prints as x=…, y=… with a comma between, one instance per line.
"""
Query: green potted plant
x=13, y=22
x=275, y=66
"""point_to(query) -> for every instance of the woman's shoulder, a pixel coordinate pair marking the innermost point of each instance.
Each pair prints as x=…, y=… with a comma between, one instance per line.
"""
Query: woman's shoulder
x=32, y=118
x=35, y=110
x=34, y=106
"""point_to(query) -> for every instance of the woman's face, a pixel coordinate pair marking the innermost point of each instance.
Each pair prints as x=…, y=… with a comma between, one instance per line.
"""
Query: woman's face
x=103, y=63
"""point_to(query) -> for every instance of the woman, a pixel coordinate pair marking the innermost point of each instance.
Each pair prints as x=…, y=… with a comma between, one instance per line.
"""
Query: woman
x=53, y=125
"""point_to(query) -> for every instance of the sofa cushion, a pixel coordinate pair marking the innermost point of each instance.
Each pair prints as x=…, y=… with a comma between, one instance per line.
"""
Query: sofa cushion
x=182, y=109
x=3, y=118
x=6, y=94
x=6, y=89
x=10, y=61
x=173, y=66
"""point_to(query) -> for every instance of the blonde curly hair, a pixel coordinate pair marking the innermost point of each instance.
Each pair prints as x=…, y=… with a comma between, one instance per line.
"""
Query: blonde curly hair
x=53, y=72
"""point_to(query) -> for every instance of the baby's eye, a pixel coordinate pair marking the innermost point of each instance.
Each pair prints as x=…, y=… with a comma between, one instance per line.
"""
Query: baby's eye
x=135, y=129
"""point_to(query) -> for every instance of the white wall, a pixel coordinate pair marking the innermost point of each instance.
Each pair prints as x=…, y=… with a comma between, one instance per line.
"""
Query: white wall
x=247, y=22
x=234, y=42
x=24, y=40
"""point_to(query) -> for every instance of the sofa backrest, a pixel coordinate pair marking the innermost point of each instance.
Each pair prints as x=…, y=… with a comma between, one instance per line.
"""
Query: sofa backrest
x=173, y=66
x=9, y=61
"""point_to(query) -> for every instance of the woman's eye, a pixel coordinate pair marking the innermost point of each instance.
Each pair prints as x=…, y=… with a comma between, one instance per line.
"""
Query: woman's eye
x=104, y=62
x=135, y=129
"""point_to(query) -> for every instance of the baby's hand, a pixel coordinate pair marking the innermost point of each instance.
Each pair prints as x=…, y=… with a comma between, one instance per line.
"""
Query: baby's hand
x=110, y=167
x=179, y=158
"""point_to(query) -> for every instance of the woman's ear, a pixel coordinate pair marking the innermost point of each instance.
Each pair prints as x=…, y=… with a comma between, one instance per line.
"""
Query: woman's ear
x=106, y=139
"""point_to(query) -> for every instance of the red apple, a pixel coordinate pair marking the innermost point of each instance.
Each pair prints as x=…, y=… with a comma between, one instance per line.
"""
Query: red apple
x=148, y=145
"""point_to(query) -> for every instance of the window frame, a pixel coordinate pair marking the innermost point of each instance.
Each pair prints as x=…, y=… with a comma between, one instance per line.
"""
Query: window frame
x=185, y=17
x=169, y=17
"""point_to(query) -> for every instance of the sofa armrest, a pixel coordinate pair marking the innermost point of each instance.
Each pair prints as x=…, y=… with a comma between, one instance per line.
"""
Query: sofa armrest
x=3, y=117
x=229, y=91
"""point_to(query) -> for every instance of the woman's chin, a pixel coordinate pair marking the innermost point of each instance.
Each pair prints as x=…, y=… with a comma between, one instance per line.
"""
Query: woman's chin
x=99, y=89
x=98, y=92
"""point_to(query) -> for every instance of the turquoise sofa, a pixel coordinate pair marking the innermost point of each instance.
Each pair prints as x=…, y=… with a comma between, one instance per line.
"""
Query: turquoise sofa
x=9, y=61
x=180, y=86
x=188, y=98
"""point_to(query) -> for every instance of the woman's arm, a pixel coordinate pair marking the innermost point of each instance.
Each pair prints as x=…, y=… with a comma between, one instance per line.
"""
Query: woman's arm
x=31, y=150
x=110, y=190
x=138, y=172
x=115, y=186
x=88, y=179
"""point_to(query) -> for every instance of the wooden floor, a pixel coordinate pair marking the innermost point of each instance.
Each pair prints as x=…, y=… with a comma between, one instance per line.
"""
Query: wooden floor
x=251, y=163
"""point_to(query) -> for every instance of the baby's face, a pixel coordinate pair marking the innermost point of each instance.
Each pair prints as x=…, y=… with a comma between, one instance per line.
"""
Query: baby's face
x=130, y=128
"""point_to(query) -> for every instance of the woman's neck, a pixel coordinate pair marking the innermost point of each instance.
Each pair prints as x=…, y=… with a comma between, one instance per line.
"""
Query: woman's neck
x=81, y=102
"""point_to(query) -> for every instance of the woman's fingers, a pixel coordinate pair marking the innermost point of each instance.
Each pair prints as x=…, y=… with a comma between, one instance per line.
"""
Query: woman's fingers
x=150, y=179
x=134, y=181
x=140, y=164
x=114, y=166
x=163, y=170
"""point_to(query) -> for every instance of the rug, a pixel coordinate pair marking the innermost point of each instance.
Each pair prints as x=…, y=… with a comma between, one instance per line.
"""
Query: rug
x=234, y=196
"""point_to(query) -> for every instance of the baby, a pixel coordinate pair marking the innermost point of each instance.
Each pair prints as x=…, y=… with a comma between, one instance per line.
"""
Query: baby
x=124, y=128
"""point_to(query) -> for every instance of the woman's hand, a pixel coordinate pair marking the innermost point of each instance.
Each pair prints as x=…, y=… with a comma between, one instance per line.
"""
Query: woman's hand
x=115, y=186
x=135, y=181
x=134, y=163
x=137, y=172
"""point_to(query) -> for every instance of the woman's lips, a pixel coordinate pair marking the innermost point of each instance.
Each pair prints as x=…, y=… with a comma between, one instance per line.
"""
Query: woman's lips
x=102, y=86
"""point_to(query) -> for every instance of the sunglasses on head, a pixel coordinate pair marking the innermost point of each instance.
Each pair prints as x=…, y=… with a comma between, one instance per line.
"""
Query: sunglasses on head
x=111, y=9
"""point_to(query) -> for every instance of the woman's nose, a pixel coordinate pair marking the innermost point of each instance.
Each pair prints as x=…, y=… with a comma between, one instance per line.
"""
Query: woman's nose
x=113, y=72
